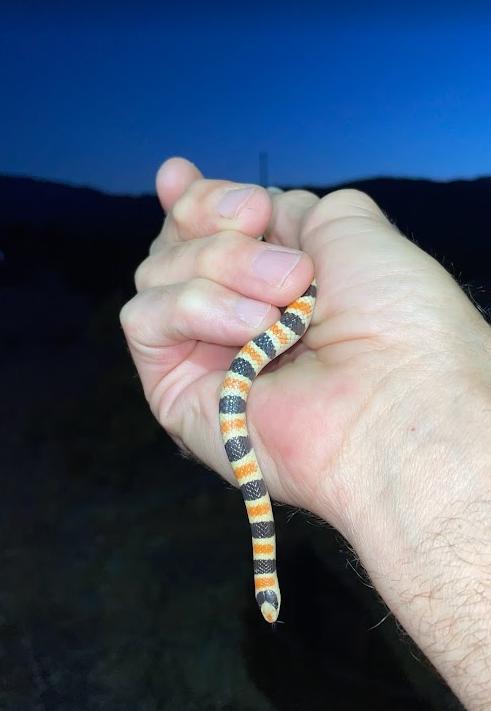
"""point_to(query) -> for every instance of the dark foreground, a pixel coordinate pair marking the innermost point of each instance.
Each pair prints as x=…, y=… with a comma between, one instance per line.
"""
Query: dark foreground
x=125, y=571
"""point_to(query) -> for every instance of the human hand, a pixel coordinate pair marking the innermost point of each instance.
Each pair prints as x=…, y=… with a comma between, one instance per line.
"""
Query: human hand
x=373, y=421
x=388, y=321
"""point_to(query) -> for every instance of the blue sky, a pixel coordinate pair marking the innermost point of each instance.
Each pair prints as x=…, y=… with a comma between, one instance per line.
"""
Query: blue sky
x=102, y=97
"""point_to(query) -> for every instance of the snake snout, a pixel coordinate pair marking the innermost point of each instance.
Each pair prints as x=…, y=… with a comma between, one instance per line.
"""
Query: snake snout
x=269, y=604
x=269, y=612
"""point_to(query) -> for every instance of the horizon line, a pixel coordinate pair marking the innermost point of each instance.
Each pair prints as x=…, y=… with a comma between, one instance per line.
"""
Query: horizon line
x=285, y=187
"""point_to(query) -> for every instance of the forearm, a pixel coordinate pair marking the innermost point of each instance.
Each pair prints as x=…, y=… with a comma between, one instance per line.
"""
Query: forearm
x=426, y=536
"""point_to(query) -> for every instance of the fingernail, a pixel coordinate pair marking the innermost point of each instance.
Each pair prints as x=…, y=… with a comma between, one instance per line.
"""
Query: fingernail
x=251, y=312
x=233, y=201
x=274, y=264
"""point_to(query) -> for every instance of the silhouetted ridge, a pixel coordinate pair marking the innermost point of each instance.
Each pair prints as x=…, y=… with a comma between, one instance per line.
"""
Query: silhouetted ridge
x=96, y=240
x=92, y=239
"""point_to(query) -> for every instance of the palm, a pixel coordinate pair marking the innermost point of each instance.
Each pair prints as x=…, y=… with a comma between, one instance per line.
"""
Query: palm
x=312, y=407
x=301, y=409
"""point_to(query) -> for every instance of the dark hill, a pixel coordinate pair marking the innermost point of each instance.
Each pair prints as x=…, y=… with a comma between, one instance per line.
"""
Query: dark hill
x=92, y=239
x=95, y=240
x=448, y=219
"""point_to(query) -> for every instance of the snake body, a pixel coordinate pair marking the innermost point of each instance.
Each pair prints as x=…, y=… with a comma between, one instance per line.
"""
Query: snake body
x=245, y=367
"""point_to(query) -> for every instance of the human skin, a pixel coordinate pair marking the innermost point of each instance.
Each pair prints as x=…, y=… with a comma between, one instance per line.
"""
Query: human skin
x=378, y=421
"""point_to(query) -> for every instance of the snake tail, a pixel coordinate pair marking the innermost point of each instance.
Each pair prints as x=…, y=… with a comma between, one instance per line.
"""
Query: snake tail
x=245, y=367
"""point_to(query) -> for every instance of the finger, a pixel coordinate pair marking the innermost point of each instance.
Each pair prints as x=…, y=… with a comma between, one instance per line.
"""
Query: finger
x=174, y=176
x=194, y=310
x=161, y=324
x=270, y=273
x=210, y=206
x=172, y=179
x=289, y=210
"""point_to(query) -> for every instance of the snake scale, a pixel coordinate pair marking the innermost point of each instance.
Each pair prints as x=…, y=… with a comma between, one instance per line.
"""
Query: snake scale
x=245, y=367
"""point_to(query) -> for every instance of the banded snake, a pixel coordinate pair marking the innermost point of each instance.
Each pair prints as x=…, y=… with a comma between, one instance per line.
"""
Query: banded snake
x=245, y=367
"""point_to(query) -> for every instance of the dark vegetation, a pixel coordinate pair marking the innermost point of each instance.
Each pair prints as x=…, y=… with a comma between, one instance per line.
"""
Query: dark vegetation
x=125, y=571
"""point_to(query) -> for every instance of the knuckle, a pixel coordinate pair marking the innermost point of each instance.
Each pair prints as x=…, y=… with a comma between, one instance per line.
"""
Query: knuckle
x=299, y=202
x=350, y=199
x=343, y=203
x=128, y=318
x=205, y=255
x=181, y=208
x=155, y=245
x=212, y=252
x=160, y=240
x=141, y=277
x=187, y=298
x=303, y=196
x=123, y=314
x=171, y=262
x=192, y=297
x=185, y=204
x=161, y=266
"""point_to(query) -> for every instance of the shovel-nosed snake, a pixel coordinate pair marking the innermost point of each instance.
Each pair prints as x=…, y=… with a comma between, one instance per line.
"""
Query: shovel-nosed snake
x=245, y=367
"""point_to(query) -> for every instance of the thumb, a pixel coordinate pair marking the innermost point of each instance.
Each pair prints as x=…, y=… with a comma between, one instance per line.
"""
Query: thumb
x=173, y=178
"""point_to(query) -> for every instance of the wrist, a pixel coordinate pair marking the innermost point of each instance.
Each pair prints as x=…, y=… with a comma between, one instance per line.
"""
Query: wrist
x=422, y=525
x=420, y=439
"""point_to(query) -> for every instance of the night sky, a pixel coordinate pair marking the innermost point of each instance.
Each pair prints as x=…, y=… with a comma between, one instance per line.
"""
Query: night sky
x=102, y=97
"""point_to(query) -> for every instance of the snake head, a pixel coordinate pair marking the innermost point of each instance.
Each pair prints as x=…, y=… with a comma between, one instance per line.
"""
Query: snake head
x=269, y=604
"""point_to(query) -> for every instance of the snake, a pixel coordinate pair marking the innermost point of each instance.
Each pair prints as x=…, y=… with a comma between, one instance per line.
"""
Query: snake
x=243, y=370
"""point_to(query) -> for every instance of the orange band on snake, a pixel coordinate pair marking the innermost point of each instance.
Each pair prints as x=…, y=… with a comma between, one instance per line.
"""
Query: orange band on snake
x=245, y=367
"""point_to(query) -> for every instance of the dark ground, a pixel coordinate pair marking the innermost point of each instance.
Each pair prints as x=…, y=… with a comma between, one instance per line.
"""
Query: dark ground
x=119, y=589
